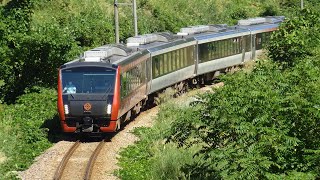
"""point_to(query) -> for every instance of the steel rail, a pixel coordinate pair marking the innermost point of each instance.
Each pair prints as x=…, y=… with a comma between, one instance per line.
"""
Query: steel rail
x=65, y=160
x=93, y=159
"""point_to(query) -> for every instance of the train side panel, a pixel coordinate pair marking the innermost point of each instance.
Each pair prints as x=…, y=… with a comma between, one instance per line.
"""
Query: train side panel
x=172, y=67
x=134, y=82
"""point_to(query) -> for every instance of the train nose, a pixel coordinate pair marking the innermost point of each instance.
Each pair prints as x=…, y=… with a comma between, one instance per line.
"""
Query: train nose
x=87, y=124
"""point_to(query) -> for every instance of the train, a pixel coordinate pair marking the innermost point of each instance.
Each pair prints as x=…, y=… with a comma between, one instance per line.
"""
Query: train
x=107, y=85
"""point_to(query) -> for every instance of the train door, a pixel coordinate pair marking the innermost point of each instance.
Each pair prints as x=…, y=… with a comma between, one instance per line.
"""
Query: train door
x=148, y=74
x=243, y=48
x=196, y=58
x=253, y=46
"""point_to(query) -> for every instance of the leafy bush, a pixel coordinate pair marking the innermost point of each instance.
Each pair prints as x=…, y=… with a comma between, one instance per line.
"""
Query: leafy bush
x=24, y=134
x=297, y=38
x=260, y=125
x=145, y=155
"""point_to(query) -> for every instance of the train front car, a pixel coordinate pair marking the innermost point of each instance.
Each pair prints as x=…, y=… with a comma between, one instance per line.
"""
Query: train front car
x=89, y=91
x=88, y=97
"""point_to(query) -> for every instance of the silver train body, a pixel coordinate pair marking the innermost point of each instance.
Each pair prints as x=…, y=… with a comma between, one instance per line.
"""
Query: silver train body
x=150, y=63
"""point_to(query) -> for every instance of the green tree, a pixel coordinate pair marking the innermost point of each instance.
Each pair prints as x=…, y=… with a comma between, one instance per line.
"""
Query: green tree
x=297, y=38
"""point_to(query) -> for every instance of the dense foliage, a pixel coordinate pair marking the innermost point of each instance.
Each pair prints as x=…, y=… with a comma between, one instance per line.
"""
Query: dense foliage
x=263, y=124
x=298, y=39
x=24, y=129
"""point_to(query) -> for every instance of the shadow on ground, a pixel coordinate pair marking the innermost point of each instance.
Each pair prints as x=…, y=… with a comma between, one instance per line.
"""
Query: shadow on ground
x=55, y=133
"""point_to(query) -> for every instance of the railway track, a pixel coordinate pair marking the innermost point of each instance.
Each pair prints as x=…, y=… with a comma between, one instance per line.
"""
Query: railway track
x=89, y=167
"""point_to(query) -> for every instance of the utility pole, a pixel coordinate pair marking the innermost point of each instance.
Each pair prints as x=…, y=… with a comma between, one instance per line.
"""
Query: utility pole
x=116, y=17
x=116, y=20
x=301, y=4
x=135, y=18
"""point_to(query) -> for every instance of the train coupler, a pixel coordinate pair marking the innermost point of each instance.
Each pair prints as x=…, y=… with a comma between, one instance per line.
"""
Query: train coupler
x=87, y=124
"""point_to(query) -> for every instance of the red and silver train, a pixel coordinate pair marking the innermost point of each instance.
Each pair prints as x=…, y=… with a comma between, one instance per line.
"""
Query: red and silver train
x=103, y=88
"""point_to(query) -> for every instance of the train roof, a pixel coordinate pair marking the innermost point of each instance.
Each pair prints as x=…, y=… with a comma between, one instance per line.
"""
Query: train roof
x=244, y=27
x=76, y=64
x=204, y=33
x=157, y=43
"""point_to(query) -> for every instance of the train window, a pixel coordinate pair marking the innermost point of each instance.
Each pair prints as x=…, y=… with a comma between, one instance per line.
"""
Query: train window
x=248, y=43
x=221, y=44
x=203, y=51
x=133, y=79
x=181, y=58
x=259, y=41
x=129, y=82
x=161, y=60
x=124, y=84
x=186, y=57
x=208, y=54
x=224, y=48
x=169, y=62
x=190, y=55
x=174, y=60
x=235, y=46
x=241, y=44
x=187, y=52
x=88, y=80
x=229, y=46
x=163, y=63
x=155, y=66
x=228, y=41
x=209, y=51
x=214, y=50
x=178, y=59
x=218, y=50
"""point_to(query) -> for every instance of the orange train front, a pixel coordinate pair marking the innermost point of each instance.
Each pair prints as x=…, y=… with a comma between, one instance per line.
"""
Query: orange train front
x=88, y=96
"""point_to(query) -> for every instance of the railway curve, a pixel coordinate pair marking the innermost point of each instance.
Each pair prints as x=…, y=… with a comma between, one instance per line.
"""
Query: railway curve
x=46, y=165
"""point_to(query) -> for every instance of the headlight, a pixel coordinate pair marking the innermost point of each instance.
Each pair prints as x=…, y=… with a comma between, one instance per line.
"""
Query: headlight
x=66, y=109
x=109, y=109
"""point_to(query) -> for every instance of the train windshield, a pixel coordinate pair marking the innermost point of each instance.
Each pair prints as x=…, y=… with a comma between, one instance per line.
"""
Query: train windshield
x=88, y=80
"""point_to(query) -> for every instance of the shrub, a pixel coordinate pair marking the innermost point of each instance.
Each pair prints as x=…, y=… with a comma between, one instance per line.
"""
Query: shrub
x=297, y=38
x=24, y=134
